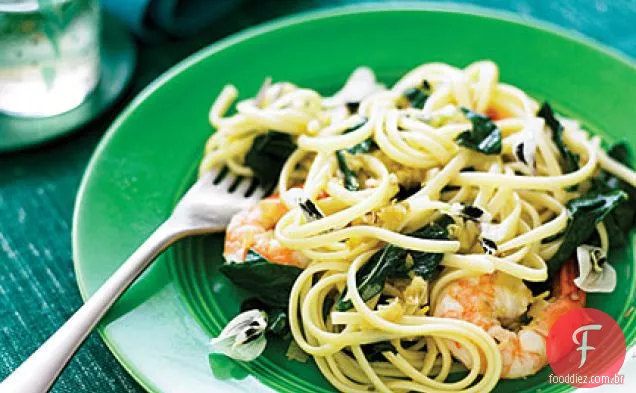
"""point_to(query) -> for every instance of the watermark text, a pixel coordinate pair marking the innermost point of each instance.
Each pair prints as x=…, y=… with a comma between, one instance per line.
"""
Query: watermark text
x=577, y=379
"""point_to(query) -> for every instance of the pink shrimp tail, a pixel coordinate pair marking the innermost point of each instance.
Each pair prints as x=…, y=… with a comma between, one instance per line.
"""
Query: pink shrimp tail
x=566, y=287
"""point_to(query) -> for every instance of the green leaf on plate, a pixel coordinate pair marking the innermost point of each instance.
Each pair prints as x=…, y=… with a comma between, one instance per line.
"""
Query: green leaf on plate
x=418, y=95
x=583, y=215
x=350, y=178
x=269, y=282
x=268, y=155
x=391, y=261
x=623, y=218
x=570, y=160
x=484, y=137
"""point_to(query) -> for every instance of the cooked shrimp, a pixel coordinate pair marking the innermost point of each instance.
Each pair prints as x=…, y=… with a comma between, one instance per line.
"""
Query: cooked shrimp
x=253, y=228
x=495, y=302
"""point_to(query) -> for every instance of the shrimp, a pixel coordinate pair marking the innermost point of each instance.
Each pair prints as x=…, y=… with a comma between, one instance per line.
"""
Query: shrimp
x=253, y=228
x=495, y=302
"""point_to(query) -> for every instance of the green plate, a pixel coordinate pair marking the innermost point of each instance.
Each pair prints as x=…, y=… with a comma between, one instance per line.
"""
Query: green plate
x=118, y=57
x=160, y=328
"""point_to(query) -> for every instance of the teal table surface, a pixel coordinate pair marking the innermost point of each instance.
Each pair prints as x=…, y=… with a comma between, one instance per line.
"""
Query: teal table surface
x=38, y=187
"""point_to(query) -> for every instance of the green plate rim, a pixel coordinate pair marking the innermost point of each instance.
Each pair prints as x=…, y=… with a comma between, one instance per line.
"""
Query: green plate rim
x=282, y=22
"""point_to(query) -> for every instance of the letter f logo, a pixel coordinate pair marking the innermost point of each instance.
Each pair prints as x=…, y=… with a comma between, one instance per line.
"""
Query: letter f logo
x=583, y=345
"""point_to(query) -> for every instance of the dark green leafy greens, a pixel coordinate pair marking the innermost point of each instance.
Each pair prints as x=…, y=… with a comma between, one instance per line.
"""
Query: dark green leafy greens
x=417, y=96
x=373, y=352
x=570, y=160
x=277, y=323
x=269, y=282
x=363, y=147
x=623, y=218
x=327, y=305
x=391, y=261
x=372, y=275
x=351, y=182
x=583, y=215
x=267, y=156
x=609, y=200
x=352, y=107
x=484, y=137
x=425, y=264
x=406, y=191
x=552, y=238
x=350, y=178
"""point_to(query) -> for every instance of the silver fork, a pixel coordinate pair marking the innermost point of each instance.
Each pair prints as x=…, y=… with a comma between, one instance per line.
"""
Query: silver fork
x=205, y=208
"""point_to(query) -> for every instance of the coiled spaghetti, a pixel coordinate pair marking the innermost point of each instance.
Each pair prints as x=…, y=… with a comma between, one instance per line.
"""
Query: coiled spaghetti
x=523, y=193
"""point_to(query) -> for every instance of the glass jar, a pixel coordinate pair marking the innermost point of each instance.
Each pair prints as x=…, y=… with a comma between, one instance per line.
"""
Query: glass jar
x=49, y=55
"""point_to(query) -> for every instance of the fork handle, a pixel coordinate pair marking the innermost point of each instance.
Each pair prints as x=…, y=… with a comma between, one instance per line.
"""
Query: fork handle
x=38, y=373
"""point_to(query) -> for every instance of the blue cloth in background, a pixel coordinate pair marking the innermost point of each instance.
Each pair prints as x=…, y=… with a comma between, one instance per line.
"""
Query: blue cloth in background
x=157, y=19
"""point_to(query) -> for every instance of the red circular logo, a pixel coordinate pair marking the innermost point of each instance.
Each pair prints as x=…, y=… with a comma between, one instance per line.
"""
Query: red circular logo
x=585, y=348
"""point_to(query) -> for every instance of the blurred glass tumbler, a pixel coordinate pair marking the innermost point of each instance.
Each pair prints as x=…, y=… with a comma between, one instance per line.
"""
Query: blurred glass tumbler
x=49, y=55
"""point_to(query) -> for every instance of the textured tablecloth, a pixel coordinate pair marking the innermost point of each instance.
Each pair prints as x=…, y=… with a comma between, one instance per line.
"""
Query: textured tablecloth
x=38, y=188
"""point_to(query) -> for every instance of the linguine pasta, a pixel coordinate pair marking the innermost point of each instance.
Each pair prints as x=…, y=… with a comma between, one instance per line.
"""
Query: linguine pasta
x=414, y=130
